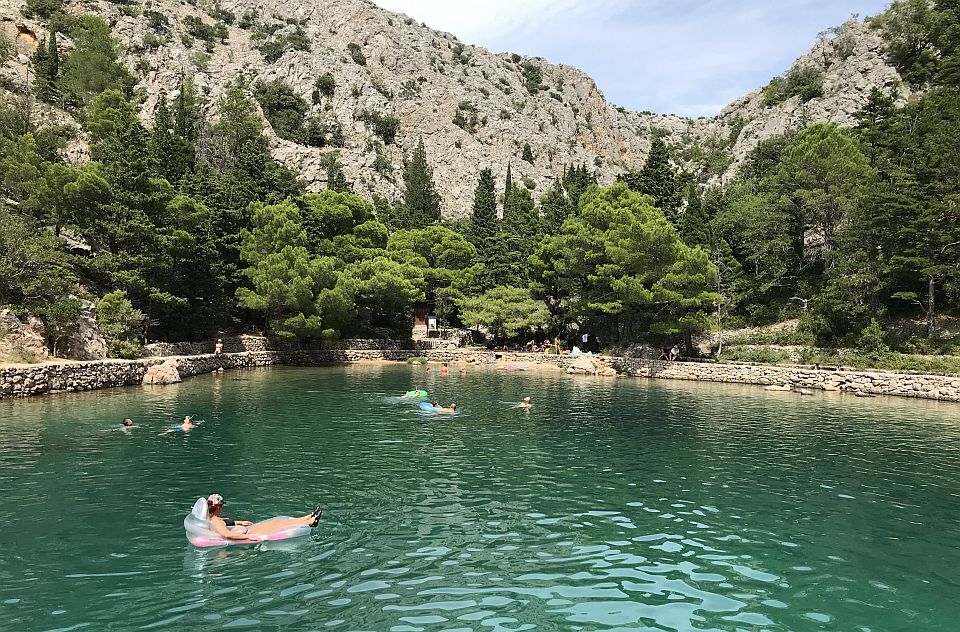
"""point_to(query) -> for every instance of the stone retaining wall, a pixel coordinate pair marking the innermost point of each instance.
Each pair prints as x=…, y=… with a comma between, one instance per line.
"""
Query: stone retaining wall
x=24, y=381
x=245, y=343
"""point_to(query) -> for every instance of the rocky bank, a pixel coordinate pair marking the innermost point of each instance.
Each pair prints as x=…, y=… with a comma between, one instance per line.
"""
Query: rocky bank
x=24, y=381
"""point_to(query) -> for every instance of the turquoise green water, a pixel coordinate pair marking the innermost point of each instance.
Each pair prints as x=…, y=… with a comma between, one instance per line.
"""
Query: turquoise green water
x=613, y=505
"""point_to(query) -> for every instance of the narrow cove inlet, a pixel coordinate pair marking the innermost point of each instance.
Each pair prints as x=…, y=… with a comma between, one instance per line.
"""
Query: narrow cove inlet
x=608, y=505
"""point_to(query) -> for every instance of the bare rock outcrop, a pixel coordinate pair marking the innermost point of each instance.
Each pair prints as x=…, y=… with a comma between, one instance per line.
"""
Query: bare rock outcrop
x=22, y=342
x=165, y=373
x=86, y=342
x=591, y=365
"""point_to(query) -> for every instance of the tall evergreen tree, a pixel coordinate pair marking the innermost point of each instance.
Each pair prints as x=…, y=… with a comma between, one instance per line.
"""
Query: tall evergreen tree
x=41, y=73
x=507, y=186
x=53, y=58
x=554, y=207
x=657, y=179
x=695, y=224
x=527, y=153
x=420, y=196
x=173, y=154
x=187, y=110
x=483, y=217
x=336, y=179
x=576, y=181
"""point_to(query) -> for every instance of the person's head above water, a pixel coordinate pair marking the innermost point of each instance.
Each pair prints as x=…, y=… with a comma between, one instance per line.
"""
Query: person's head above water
x=188, y=419
x=526, y=399
x=126, y=423
x=214, y=504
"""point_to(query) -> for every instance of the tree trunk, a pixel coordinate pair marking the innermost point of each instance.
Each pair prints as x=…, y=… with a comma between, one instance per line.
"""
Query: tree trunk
x=688, y=343
x=930, y=307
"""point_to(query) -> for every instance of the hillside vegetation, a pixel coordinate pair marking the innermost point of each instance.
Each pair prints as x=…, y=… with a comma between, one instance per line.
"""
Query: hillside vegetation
x=174, y=207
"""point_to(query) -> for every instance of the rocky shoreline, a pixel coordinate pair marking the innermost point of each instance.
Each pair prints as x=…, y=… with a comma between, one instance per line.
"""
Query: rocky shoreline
x=30, y=380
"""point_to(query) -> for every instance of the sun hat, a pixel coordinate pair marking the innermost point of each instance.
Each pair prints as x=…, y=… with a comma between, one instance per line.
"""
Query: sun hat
x=214, y=500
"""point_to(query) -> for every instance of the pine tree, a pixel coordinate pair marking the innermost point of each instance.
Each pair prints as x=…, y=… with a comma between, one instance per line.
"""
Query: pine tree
x=174, y=155
x=41, y=73
x=336, y=179
x=53, y=58
x=527, y=153
x=520, y=230
x=695, y=225
x=576, y=181
x=483, y=217
x=555, y=207
x=420, y=195
x=187, y=111
x=658, y=180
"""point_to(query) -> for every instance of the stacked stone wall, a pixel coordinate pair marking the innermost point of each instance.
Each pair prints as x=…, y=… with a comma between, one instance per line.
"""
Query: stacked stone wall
x=23, y=381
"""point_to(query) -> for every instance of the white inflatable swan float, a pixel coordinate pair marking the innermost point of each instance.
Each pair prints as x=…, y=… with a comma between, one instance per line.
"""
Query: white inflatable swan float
x=199, y=533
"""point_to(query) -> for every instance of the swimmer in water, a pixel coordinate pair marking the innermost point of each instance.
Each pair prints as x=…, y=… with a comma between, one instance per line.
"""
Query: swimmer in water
x=444, y=370
x=413, y=394
x=186, y=426
x=451, y=409
x=126, y=424
x=251, y=531
x=525, y=404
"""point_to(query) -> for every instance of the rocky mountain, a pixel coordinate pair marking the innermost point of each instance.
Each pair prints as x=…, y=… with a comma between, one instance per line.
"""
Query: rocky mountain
x=472, y=108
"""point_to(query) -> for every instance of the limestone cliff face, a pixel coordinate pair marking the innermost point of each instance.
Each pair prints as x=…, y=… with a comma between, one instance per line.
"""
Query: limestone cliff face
x=853, y=62
x=424, y=77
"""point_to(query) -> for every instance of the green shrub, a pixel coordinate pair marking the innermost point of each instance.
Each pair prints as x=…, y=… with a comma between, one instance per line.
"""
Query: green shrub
x=156, y=21
x=466, y=117
x=356, y=53
x=873, y=341
x=209, y=33
x=248, y=19
x=382, y=89
x=41, y=8
x=532, y=77
x=272, y=48
x=223, y=15
x=6, y=47
x=283, y=108
x=326, y=84
x=410, y=89
x=416, y=360
x=384, y=125
x=803, y=81
x=120, y=324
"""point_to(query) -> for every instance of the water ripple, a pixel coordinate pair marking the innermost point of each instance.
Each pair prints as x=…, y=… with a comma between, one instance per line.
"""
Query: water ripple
x=614, y=504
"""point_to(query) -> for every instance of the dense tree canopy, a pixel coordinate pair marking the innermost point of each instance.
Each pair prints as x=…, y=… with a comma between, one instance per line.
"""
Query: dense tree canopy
x=187, y=226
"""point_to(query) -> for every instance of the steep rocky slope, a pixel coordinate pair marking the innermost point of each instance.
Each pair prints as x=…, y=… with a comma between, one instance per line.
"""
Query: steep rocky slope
x=428, y=79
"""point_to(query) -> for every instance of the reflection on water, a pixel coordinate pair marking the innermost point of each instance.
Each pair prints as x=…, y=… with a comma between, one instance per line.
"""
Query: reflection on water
x=613, y=504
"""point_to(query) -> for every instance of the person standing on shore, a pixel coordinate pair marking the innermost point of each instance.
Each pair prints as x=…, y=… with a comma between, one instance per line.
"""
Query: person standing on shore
x=218, y=348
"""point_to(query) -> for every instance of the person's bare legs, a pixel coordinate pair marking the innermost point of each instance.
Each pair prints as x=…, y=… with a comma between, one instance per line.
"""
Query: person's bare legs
x=281, y=524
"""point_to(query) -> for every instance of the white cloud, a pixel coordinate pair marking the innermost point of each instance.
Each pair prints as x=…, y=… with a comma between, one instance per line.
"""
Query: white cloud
x=684, y=56
x=477, y=22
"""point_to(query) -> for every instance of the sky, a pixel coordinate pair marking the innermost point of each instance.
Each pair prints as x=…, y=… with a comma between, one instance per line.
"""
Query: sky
x=686, y=57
